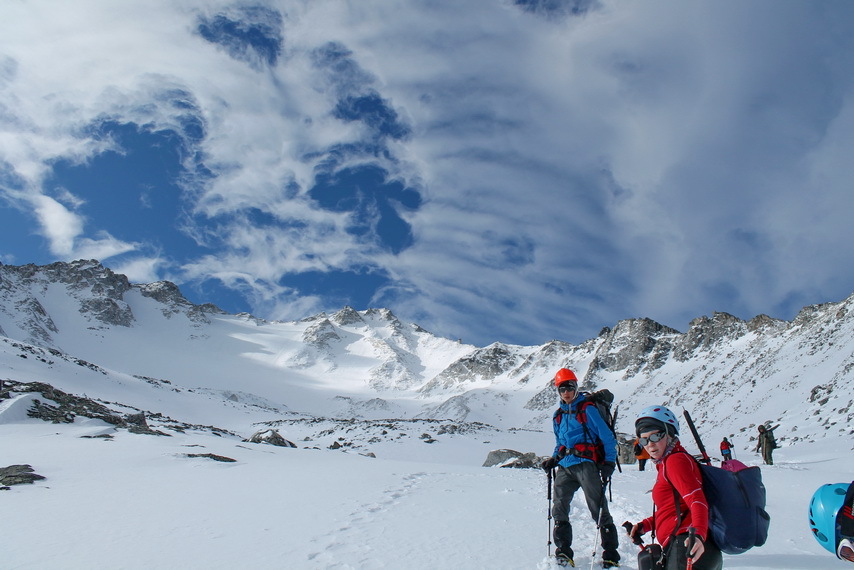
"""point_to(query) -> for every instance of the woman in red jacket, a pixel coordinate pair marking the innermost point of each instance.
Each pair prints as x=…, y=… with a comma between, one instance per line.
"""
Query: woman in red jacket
x=677, y=495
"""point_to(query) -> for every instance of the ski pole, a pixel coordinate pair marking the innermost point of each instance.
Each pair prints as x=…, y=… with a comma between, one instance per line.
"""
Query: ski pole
x=598, y=522
x=549, y=493
x=692, y=537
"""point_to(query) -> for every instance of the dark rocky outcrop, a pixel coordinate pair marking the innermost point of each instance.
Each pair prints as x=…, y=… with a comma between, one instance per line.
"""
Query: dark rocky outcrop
x=213, y=456
x=60, y=407
x=482, y=364
x=270, y=436
x=512, y=458
x=18, y=475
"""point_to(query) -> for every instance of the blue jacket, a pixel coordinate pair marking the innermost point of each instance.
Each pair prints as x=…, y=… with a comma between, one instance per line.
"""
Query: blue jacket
x=570, y=432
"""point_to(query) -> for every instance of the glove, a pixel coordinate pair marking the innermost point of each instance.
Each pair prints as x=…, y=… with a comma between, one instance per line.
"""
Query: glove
x=606, y=470
x=636, y=533
x=549, y=464
x=638, y=449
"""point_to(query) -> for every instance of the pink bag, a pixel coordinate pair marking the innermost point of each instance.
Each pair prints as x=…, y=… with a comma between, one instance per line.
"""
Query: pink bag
x=733, y=465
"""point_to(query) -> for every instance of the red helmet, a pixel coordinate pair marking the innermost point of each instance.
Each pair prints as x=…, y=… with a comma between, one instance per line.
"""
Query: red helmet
x=565, y=375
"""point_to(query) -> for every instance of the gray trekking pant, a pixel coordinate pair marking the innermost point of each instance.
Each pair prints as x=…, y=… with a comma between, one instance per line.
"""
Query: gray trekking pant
x=567, y=481
x=582, y=475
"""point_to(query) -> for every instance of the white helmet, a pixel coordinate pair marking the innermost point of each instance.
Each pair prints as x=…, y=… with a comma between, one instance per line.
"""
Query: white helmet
x=658, y=416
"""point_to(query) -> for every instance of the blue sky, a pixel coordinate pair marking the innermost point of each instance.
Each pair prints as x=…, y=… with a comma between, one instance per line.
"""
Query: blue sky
x=512, y=171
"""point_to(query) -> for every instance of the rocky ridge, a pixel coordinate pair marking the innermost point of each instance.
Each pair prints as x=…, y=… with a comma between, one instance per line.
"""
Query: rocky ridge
x=722, y=368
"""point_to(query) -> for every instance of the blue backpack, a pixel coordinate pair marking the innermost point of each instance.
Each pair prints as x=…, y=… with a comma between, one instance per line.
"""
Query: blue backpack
x=737, y=517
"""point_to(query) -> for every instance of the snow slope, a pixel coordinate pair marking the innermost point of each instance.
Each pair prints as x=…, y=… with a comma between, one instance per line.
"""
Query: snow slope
x=137, y=501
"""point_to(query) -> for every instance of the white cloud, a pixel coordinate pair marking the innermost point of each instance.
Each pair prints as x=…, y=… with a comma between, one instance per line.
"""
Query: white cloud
x=659, y=159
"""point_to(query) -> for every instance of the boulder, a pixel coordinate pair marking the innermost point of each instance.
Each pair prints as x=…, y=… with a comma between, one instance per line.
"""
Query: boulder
x=512, y=458
x=270, y=436
x=18, y=475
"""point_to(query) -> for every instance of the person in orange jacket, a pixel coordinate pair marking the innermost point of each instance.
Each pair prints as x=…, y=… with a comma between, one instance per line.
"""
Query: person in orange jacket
x=641, y=455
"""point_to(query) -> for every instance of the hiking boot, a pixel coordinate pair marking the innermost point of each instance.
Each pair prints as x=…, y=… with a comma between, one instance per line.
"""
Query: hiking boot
x=610, y=558
x=564, y=560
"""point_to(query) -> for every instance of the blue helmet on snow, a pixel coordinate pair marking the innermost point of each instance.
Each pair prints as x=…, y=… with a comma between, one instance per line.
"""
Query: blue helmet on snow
x=824, y=506
x=657, y=417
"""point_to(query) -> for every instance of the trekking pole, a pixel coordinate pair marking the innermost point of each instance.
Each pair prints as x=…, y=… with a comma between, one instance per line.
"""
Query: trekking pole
x=549, y=493
x=692, y=536
x=599, y=522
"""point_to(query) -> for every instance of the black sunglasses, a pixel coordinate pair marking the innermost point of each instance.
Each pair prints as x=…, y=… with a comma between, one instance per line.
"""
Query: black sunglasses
x=653, y=438
x=566, y=388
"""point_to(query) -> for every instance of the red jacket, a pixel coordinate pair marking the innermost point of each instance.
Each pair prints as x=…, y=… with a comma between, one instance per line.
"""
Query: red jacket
x=683, y=472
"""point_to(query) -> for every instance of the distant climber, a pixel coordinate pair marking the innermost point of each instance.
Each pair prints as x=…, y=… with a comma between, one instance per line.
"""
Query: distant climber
x=726, y=449
x=767, y=443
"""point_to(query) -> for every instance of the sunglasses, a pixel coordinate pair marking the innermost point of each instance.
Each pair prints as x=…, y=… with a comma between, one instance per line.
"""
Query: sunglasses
x=653, y=438
x=566, y=388
x=845, y=550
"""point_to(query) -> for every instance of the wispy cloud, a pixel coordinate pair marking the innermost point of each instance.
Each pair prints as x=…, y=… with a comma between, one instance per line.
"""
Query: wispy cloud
x=503, y=170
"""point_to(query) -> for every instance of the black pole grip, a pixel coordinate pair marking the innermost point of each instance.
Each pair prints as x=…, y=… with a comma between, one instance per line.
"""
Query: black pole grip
x=628, y=526
x=692, y=536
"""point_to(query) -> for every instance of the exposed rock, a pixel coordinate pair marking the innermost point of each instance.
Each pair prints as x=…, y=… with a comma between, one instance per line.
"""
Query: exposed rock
x=108, y=311
x=18, y=475
x=165, y=292
x=481, y=364
x=65, y=407
x=270, y=436
x=60, y=407
x=213, y=456
x=632, y=345
x=626, y=449
x=707, y=332
x=347, y=316
x=512, y=458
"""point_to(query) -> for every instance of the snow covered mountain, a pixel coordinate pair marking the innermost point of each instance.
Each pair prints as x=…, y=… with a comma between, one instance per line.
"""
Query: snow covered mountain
x=145, y=422
x=142, y=341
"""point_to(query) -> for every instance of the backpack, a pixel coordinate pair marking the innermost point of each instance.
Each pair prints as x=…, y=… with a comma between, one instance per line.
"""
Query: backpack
x=602, y=400
x=737, y=517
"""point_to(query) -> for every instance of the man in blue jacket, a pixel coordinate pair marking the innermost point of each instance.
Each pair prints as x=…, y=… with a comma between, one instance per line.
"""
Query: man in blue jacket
x=582, y=437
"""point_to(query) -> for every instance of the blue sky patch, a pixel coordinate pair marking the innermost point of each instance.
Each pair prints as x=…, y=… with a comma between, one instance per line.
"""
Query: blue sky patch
x=365, y=192
x=134, y=195
x=256, y=32
x=374, y=111
x=556, y=7
x=339, y=288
